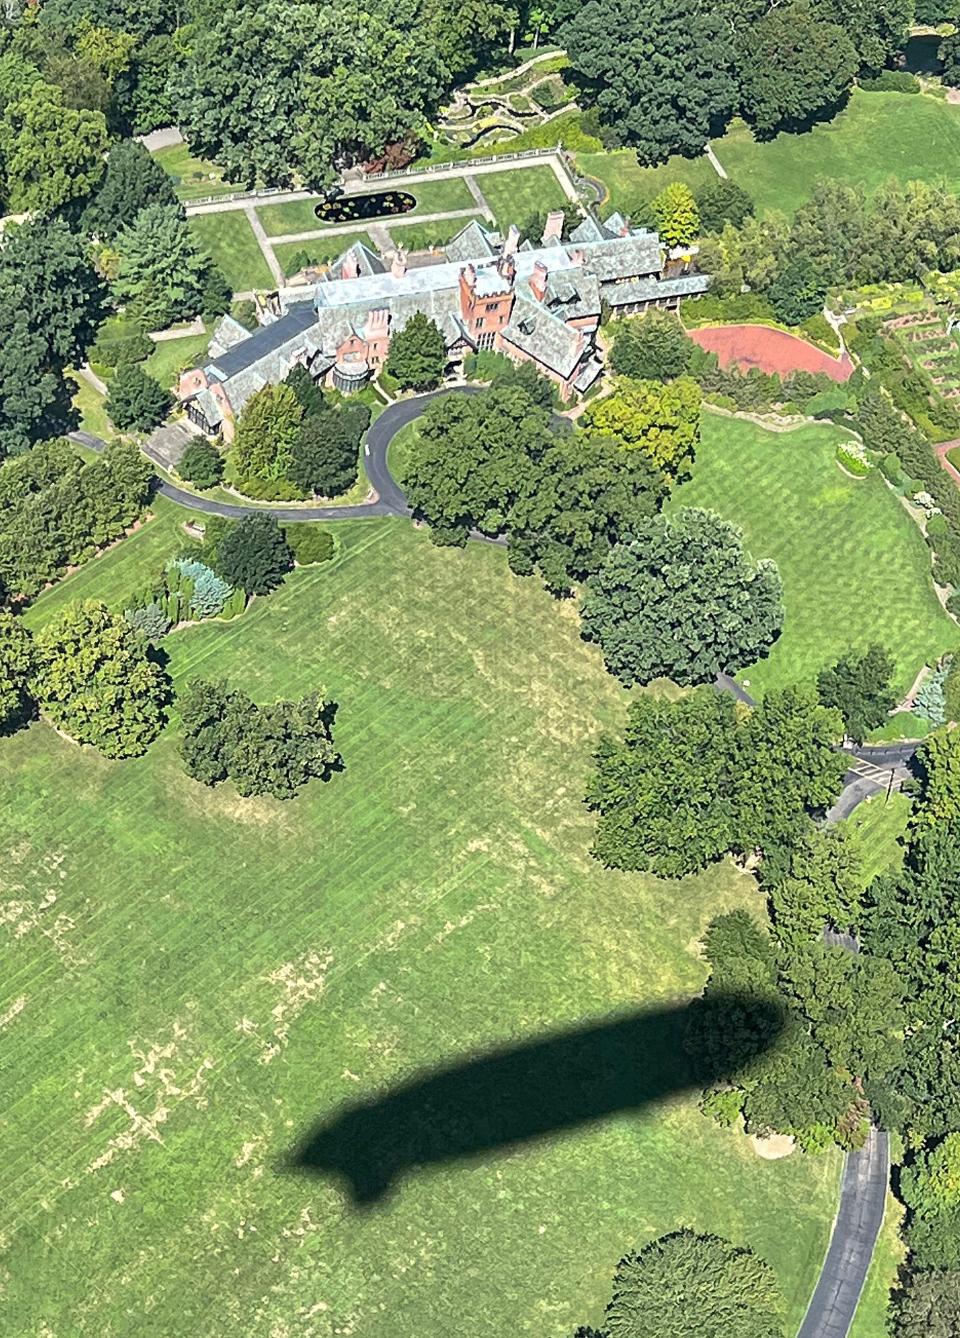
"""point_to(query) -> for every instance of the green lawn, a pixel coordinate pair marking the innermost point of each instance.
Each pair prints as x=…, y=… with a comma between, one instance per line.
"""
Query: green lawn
x=189, y=982
x=876, y=136
x=91, y=406
x=122, y=568
x=433, y=197
x=229, y=239
x=321, y=252
x=879, y=824
x=854, y=565
x=871, y=1317
x=514, y=196
x=172, y=356
x=195, y=177
x=420, y=236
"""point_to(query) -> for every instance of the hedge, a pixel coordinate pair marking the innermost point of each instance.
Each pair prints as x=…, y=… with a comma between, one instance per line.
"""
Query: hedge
x=309, y=543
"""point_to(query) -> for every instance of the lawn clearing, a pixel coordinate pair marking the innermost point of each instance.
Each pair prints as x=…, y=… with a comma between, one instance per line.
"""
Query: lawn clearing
x=878, y=826
x=319, y=252
x=876, y=136
x=195, y=178
x=514, y=196
x=421, y=236
x=172, y=356
x=854, y=565
x=229, y=239
x=91, y=406
x=191, y=981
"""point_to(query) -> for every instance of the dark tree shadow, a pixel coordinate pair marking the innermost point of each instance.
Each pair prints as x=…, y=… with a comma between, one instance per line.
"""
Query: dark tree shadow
x=505, y=1098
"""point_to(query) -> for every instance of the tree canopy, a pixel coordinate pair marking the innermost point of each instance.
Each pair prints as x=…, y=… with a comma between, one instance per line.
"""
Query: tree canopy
x=418, y=354
x=659, y=96
x=793, y=67
x=682, y=600
x=688, y=1285
x=662, y=420
x=95, y=679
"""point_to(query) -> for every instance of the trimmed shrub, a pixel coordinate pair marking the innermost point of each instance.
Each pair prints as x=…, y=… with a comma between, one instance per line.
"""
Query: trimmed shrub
x=890, y=81
x=854, y=464
x=309, y=543
x=208, y=592
x=151, y=619
x=271, y=490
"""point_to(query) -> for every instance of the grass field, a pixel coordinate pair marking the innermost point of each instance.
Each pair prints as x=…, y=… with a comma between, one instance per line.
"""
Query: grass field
x=321, y=251
x=229, y=239
x=855, y=567
x=189, y=982
x=877, y=135
x=879, y=824
x=196, y=177
x=514, y=196
x=122, y=568
x=172, y=356
x=420, y=236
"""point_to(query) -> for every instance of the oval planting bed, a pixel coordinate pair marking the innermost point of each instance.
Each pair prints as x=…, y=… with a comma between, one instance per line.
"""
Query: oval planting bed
x=352, y=208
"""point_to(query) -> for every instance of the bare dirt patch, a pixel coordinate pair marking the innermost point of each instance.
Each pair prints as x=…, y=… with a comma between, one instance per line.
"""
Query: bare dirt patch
x=773, y=1147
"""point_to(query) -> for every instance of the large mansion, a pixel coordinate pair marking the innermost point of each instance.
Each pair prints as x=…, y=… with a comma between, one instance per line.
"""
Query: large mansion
x=534, y=303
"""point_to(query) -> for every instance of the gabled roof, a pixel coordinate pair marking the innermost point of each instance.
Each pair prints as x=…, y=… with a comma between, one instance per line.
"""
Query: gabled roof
x=546, y=338
x=471, y=242
x=287, y=329
x=227, y=332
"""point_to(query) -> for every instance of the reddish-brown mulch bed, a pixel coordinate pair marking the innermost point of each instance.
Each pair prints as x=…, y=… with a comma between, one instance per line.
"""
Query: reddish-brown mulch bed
x=747, y=346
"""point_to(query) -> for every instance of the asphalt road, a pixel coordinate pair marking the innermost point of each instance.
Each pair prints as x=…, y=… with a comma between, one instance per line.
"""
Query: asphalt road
x=863, y=1193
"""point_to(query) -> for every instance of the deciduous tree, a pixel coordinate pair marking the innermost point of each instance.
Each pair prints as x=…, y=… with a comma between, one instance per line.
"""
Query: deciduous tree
x=662, y=420
x=16, y=671
x=682, y=600
x=651, y=347
x=52, y=153
x=676, y=214
x=253, y=555
x=793, y=68
x=859, y=687
x=95, y=679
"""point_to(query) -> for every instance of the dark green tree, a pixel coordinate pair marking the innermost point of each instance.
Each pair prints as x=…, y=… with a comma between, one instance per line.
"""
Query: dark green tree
x=860, y=688
x=326, y=454
x=201, y=464
x=254, y=555
x=663, y=792
x=688, y=1285
x=723, y=202
x=308, y=393
x=418, y=355
x=162, y=271
x=798, y=291
x=877, y=28
x=928, y=1305
x=136, y=401
x=793, y=68
x=660, y=97
x=682, y=600
x=654, y=346
x=16, y=672
x=133, y=181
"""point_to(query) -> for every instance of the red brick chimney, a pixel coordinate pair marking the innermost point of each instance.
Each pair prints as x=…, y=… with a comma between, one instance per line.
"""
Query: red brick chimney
x=398, y=266
x=350, y=269
x=553, y=228
x=511, y=241
x=538, y=281
x=468, y=282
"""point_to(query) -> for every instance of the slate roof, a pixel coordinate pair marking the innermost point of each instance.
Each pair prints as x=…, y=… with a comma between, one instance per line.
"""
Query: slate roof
x=535, y=330
x=269, y=339
x=472, y=241
x=227, y=332
x=648, y=290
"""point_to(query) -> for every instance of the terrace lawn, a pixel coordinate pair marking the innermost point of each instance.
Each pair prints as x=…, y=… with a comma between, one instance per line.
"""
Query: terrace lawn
x=854, y=565
x=172, y=356
x=197, y=177
x=321, y=251
x=514, y=196
x=229, y=239
x=877, y=135
x=878, y=825
x=420, y=236
x=189, y=982
x=433, y=197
